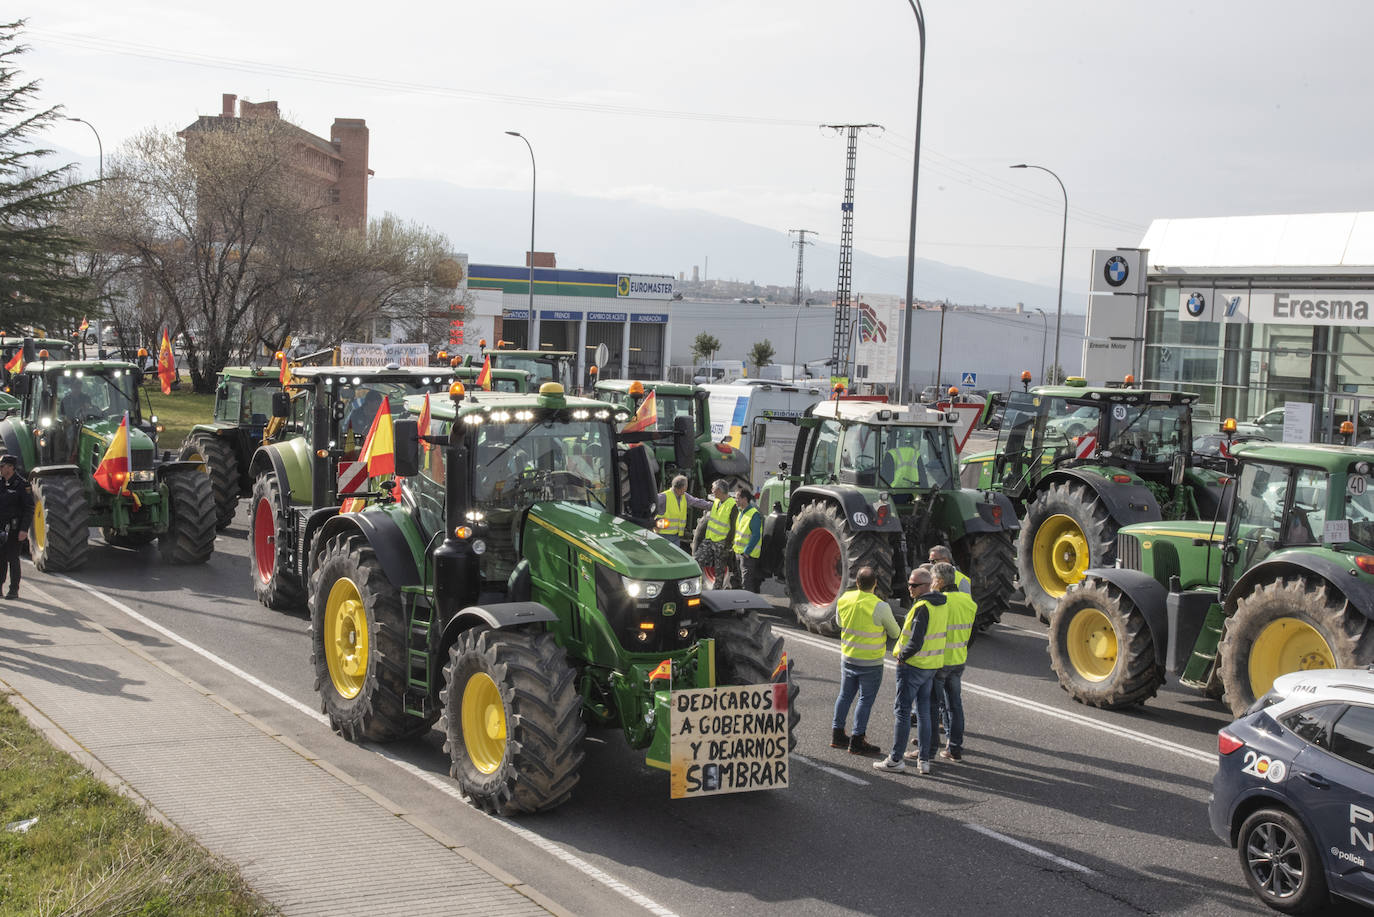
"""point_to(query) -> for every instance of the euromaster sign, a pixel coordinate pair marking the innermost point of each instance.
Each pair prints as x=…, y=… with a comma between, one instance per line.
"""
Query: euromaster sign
x=1346, y=308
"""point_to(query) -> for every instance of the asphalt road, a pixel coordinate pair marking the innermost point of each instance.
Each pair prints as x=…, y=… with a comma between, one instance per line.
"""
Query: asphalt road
x=1055, y=809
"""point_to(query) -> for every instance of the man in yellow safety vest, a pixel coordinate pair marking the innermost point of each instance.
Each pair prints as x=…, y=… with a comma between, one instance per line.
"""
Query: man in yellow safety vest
x=866, y=623
x=949, y=691
x=670, y=516
x=940, y=554
x=716, y=553
x=748, y=539
x=920, y=652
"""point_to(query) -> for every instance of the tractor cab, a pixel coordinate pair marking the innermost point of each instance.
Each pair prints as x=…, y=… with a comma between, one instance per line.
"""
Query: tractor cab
x=542, y=365
x=243, y=398
x=61, y=399
x=12, y=346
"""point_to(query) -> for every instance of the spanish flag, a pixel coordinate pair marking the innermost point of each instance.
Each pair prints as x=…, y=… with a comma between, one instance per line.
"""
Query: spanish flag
x=379, y=452
x=112, y=473
x=423, y=425
x=646, y=417
x=166, y=363
x=781, y=672
x=285, y=375
x=664, y=670
x=16, y=363
x=85, y=323
x=484, y=377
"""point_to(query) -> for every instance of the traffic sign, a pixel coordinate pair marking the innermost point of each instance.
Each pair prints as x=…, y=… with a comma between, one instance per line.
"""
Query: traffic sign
x=968, y=380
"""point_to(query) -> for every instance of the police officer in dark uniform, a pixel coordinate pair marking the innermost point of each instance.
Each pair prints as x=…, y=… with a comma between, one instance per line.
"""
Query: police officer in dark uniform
x=16, y=514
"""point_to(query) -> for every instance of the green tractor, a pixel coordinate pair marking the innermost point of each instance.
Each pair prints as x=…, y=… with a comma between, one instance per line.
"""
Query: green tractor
x=542, y=365
x=502, y=380
x=71, y=413
x=1280, y=580
x=874, y=485
x=323, y=425
x=500, y=592
x=1081, y=462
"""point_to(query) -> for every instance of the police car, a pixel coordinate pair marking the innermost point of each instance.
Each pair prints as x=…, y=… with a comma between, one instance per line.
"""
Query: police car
x=1294, y=790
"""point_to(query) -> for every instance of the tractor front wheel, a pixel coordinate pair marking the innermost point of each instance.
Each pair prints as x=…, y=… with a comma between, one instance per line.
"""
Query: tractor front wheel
x=358, y=645
x=58, y=538
x=512, y=720
x=1101, y=647
x=274, y=580
x=823, y=556
x=1288, y=626
x=222, y=468
x=1067, y=529
x=748, y=653
x=190, y=535
x=990, y=561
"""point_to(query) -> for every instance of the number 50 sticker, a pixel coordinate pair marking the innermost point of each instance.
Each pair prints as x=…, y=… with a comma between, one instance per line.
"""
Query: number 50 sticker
x=1264, y=767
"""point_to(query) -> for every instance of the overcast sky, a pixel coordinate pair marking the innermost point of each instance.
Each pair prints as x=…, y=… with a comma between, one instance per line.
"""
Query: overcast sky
x=1149, y=109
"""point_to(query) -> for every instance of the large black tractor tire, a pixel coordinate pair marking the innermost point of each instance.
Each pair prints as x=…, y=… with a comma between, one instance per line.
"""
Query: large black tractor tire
x=822, y=558
x=1101, y=647
x=1287, y=626
x=222, y=467
x=274, y=581
x=748, y=653
x=128, y=539
x=190, y=535
x=512, y=720
x=1067, y=529
x=358, y=645
x=989, y=559
x=58, y=538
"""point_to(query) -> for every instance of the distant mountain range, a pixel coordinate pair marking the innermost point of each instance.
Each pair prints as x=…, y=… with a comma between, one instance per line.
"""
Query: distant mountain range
x=626, y=236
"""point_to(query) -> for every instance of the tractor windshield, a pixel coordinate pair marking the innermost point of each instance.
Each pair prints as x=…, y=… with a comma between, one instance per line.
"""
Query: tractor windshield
x=1150, y=433
x=522, y=463
x=543, y=368
x=83, y=396
x=364, y=400
x=671, y=407
x=897, y=456
x=1359, y=509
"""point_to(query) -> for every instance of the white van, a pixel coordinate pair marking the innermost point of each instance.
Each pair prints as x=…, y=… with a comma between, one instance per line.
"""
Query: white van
x=759, y=419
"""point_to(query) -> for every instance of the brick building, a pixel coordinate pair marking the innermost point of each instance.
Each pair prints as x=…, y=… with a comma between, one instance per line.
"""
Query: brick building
x=335, y=168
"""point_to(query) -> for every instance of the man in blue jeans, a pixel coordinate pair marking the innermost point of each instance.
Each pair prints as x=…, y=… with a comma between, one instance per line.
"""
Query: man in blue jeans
x=949, y=683
x=866, y=623
x=920, y=654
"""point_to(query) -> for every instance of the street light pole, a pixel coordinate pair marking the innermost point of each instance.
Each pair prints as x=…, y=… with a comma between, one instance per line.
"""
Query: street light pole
x=533, y=322
x=903, y=370
x=1045, y=333
x=98, y=145
x=1063, y=241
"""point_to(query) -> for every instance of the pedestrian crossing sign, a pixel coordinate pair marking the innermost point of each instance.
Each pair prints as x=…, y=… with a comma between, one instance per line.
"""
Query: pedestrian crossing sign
x=967, y=380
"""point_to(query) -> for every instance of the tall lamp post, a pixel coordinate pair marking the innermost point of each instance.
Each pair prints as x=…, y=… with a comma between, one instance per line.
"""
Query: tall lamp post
x=533, y=322
x=1063, y=240
x=98, y=145
x=1045, y=333
x=903, y=370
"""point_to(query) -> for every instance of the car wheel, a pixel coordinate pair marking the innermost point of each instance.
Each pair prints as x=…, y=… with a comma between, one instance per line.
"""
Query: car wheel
x=1280, y=862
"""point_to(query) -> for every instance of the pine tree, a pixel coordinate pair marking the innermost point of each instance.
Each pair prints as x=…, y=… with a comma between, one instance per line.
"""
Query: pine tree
x=38, y=283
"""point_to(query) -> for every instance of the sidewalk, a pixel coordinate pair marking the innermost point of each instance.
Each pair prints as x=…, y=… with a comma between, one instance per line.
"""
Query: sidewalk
x=306, y=836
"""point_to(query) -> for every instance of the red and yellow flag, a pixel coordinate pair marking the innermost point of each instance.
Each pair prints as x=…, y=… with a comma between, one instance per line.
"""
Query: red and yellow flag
x=379, y=452
x=645, y=417
x=781, y=672
x=16, y=363
x=166, y=364
x=664, y=670
x=423, y=424
x=284, y=376
x=484, y=377
x=85, y=323
x=112, y=473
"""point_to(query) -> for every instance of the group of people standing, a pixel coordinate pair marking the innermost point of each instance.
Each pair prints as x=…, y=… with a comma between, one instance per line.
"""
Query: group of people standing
x=733, y=539
x=931, y=650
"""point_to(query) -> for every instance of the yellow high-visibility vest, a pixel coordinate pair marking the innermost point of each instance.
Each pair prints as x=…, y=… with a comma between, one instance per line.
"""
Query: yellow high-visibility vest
x=860, y=636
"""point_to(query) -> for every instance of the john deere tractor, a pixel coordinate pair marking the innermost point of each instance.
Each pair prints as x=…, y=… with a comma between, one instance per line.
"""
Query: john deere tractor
x=542, y=365
x=71, y=412
x=1081, y=462
x=875, y=485
x=500, y=592
x=324, y=421
x=1279, y=579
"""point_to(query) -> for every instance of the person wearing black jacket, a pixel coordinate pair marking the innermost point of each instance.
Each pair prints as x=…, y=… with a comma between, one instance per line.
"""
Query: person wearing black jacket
x=16, y=514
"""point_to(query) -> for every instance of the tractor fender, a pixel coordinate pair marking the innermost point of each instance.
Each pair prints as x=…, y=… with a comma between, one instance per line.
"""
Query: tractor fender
x=1146, y=593
x=859, y=515
x=52, y=471
x=733, y=602
x=383, y=533
x=313, y=524
x=166, y=468
x=983, y=512
x=290, y=462
x=1127, y=503
x=12, y=439
x=1357, y=590
x=496, y=616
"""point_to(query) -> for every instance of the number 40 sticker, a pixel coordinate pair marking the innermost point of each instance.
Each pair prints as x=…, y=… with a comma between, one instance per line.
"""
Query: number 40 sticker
x=1264, y=767
x=1355, y=485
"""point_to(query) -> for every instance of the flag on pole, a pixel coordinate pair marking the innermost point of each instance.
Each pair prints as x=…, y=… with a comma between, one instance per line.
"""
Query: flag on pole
x=781, y=672
x=85, y=324
x=16, y=363
x=166, y=363
x=646, y=417
x=423, y=424
x=379, y=451
x=112, y=474
x=664, y=670
x=285, y=375
x=484, y=377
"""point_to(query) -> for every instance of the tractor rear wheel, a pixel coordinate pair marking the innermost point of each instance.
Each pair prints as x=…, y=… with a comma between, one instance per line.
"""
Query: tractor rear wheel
x=274, y=580
x=1288, y=626
x=358, y=645
x=512, y=720
x=990, y=561
x=190, y=535
x=822, y=558
x=748, y=653
x=222, y=467
x=1067, y=529
x=1101, y=647
x=61, y=523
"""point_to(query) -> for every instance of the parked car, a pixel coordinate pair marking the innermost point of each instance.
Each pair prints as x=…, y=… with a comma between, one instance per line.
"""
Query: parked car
x=1209, y=445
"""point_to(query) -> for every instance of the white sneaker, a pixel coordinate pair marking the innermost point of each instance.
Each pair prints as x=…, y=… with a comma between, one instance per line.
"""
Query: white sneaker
x=925, y=767
x=889, y=763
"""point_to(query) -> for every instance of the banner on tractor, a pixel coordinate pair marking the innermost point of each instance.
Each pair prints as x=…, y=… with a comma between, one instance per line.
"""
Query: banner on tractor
x=728, y=740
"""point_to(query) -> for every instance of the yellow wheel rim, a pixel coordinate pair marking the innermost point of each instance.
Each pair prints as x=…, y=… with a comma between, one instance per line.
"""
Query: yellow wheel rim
x=1060, y=554
x=38, y=529
x=1092, y=644
x=484, y=723
x=1287, y=645
x=346, y=638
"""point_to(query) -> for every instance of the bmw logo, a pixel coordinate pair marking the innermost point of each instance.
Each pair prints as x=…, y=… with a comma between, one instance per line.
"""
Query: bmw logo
x=1196, y=304
x=1116, y=270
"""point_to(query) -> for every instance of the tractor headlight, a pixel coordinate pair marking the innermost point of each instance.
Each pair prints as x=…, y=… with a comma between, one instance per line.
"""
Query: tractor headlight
x=146, y=475
x=479, y=546
x=641, y=589
x=689, y=586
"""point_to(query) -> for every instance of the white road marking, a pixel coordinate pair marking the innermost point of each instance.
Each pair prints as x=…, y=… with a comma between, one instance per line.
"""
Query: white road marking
x=544, y=844
x=1044, y=709
x=1040, y=634
x=832, y=771
x=1030, y=848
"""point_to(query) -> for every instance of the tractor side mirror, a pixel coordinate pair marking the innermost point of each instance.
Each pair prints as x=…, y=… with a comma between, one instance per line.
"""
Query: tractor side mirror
x=281, y=404
x=20, y=384
x=684, y=442
x=407, y=445
x=1176, y=473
